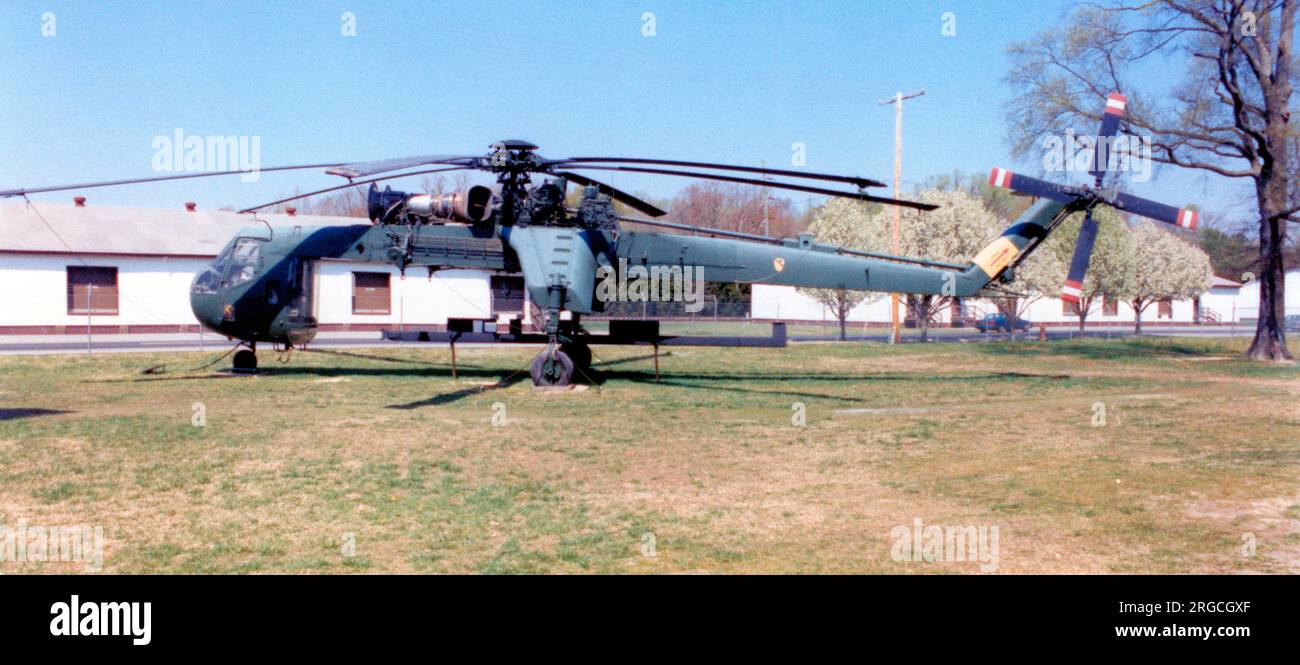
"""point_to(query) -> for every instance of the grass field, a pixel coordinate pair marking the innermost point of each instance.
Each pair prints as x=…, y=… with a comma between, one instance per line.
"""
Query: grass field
x=378, y=461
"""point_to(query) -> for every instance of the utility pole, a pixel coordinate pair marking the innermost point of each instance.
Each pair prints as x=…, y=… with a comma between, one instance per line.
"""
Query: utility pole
x=897, y=101
x=763, y=163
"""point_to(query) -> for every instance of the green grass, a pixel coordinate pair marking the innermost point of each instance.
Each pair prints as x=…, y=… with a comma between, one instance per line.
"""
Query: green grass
x=378, y=461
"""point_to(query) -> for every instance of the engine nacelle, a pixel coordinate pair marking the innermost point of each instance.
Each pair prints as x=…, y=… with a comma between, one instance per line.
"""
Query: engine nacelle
x=471, y=206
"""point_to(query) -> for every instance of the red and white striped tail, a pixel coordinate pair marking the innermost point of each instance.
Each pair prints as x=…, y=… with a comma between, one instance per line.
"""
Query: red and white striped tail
x=1116, y=103
x=1072, y=291
x=1000, y=178
x=1187, y=218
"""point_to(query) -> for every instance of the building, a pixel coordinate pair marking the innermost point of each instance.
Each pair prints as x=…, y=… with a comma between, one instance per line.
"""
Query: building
x=1224, y=302
x=128, y=270
x=1247, y=304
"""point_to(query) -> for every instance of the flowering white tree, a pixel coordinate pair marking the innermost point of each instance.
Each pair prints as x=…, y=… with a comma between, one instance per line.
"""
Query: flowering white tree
x=1110, y=268
x=1164, y=268
x=1037, y=277
x=954, y=233
x=841, y=222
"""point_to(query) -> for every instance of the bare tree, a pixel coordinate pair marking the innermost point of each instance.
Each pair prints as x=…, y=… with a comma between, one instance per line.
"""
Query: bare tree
x=732, y=207
x=1229, y=115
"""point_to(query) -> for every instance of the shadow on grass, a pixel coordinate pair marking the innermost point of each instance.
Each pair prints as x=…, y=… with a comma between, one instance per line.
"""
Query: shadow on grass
x=1096, y=349
x=367, y=356
x=719, y=382
x=457, y=395
x=15, y=414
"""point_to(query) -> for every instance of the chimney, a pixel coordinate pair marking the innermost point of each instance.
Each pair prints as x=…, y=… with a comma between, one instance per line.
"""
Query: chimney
x=292, y=211
x=79, y=201
x=190, y=206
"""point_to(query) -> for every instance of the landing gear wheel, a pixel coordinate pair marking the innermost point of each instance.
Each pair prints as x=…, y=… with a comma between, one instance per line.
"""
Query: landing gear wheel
x=245, y=361
x=552, y=369
x=580, y=354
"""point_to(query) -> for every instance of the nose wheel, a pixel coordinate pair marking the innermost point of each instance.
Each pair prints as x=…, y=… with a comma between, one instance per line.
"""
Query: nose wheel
x=245, y=361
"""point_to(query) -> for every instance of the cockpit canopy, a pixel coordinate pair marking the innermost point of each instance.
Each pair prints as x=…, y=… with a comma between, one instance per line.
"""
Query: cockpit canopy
x=235, y=265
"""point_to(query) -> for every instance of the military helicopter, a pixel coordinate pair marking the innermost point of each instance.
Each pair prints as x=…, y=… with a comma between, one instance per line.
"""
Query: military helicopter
x=260, y=287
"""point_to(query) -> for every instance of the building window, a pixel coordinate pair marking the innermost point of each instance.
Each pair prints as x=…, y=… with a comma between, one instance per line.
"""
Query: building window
x=92, y=290
x=1164, y=309
x=371, y=293
x=1069, y=309
x=507, y=294
x=1109, y=306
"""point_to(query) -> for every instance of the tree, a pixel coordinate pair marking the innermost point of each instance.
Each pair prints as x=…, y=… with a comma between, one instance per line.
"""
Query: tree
x=1164, y=268
x=1227, y=116
x=841, y=222
x=1110, y=267
x=1232, y=254
x=732, y=207
x=1037, y=277
x=954, y=233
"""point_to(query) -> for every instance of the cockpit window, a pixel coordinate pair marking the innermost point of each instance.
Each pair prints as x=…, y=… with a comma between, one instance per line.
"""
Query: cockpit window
x=241, y=262
x=206, y=281
x=246, y=249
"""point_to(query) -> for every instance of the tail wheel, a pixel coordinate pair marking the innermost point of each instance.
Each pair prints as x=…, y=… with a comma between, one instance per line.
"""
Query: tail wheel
x=552, y=369
x=245, y=361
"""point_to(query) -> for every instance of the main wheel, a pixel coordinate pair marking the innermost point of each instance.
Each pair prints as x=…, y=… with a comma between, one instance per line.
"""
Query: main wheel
x=245, y=361
x=580, y=354
x=552, y=369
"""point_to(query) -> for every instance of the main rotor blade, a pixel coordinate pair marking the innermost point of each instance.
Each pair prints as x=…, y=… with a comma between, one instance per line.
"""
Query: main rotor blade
x=853, y=180
x=1072, y=290
x=643, y=207
x=1184, y=217
x=765, y=183
x=111, y=183
x=363, y=169
x=327, y=190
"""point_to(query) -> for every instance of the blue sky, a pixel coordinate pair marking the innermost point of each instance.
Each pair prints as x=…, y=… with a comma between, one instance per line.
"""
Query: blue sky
x=718, y=81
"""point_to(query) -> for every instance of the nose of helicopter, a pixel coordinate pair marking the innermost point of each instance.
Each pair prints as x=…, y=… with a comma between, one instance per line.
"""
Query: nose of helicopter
x=205, y=302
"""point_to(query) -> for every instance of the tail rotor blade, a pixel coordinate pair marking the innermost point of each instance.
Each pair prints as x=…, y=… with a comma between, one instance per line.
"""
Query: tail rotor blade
x=1184, y=217
x=1024, y=184
x=1115, y=107
x=1073, y=288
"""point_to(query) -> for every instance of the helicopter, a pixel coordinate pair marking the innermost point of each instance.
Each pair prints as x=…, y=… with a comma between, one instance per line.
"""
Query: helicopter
x=260, y=288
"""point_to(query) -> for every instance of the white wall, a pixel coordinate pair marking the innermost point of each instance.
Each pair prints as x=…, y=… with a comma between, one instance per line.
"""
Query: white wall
x=786, y=303
x=155, y=291
x=1220, y=301
x=415, y=300
x=1248, y=297
x=151, y=291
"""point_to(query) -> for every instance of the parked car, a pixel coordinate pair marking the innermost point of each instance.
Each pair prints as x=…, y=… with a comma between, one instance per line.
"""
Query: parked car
x=1000, y=323
x=1291, y=322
